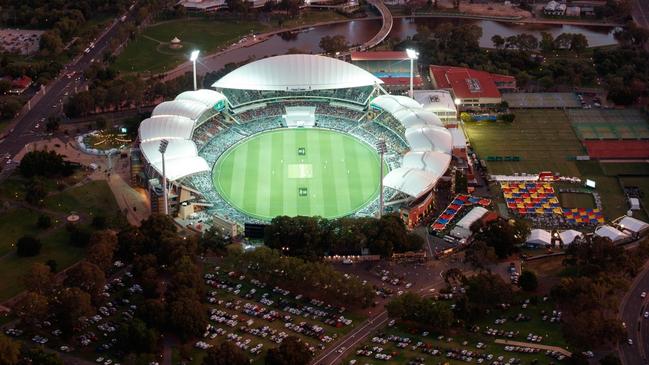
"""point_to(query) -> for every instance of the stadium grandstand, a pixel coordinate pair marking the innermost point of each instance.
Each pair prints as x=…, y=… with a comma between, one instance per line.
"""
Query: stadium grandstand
x=392, y=67
x=294, y=135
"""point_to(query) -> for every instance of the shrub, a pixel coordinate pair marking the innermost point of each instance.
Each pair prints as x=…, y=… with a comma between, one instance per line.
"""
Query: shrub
x=44, y=221
x=28, y=246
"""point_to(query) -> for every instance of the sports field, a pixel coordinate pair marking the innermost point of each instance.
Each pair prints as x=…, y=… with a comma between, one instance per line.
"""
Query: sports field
x=309, y=172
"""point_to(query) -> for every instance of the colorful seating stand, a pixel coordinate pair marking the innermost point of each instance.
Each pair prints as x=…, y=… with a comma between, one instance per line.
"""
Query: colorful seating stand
x=531, y=198
x=460, y=201
x=583, y=215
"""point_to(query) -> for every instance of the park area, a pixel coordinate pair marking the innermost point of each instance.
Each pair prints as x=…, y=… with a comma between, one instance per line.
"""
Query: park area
x=152, y=50
x=544, y=140
x=18, y=218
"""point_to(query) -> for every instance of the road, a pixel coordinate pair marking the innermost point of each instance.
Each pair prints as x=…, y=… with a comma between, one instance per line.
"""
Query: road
x=632, y=309
x=29, y=126
x=344, y=346
x=640, y=12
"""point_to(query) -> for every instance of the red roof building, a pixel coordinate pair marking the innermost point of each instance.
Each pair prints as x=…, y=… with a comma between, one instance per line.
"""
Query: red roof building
x=392, y=67
x=19, y=85
x=474, y=88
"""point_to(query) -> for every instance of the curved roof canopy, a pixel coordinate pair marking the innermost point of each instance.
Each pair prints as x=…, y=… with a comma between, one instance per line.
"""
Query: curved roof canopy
x=433, y=161
x=392, y=103
x=297, y=72
x=166, y=127
x=429, y=139
x=413, y=182
x=417, y=117
x=181, y=158
x=209, y=98
x=184, y=107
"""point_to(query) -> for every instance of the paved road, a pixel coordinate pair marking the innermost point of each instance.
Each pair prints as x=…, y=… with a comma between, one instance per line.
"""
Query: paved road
x=344, y=346
x=28, y=127
x=386, y=25
x=640, y=12
x=632, y=308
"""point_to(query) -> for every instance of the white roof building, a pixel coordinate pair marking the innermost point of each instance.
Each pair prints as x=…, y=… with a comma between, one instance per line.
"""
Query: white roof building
x=174, y=121
x=610, y=233
x=539, y=237
x=474, y=214
x=632, y=225
x=569, y=236
x=297, y=72
x=439, y=102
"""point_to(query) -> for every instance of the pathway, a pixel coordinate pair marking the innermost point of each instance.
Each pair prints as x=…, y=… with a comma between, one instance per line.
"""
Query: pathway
x=386, y=26
x=560, y=350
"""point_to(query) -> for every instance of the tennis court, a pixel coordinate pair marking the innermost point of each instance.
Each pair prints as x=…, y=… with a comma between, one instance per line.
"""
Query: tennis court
x=609, y=124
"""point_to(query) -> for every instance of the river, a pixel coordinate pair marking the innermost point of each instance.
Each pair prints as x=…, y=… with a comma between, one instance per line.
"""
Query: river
x=359, y=31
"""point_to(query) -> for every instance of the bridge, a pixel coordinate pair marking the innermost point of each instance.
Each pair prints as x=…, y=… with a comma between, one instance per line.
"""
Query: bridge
x=386, y=25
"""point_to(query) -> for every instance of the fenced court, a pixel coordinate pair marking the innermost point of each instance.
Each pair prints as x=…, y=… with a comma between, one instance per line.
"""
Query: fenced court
x=542, y=100
x=543, y=140
x=609, y=124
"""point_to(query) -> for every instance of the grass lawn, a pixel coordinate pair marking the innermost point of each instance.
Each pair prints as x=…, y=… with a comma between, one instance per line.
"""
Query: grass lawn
x=15, y=224
x=150, y=52
x=543, y=139
x=94, y=198
x=625, y=168
x=55, y=247
x=308, y=172
x=576, y=200
x=643, y=184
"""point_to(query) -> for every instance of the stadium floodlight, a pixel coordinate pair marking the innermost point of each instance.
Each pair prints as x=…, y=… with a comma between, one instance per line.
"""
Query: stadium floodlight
x=413, y=55
x=193, y=57
x=163, y=148
x=381, y=148
x=458, y=101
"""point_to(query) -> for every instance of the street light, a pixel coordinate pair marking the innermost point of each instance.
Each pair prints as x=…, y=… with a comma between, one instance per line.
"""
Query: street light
x=193, y=57
x=458, y=102
x=163, y=148
x=381, y=148
x=413, y=55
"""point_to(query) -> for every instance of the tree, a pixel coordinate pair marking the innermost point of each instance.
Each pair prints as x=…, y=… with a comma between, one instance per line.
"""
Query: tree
x=547, y=42
x=578, y=43
x=226, y=354
x=39, y=278
x=333, y=44
x=52, y=124
x=187, y=317
x=44, y=221
x=87, y=277
x=528, y=281
x=35, y=192
x=135, y=337
x=421, y=311
x=213, y=240
x=38, y=356
x=563, y=41
x=503, y=236
x=79, y=236
x=102, y=250
x=292, y=351
x=9, y=351
x=43, y=163
x=508, y=117
x=498, y=41
x=32, y=308
x=28, y=246
x=68, y=306
x=480, y=255
x=51, y=43
x=610, y=359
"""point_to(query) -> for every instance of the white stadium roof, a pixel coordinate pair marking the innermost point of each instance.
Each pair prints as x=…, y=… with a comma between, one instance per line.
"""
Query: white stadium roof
x=393, y=103
x=185, y=108
x=208, y=97
x=429, y=139
x=166, y=127
x=417, y=117
x=297, y=72
x=433, y=161
x=413, y=182
x=175, y=121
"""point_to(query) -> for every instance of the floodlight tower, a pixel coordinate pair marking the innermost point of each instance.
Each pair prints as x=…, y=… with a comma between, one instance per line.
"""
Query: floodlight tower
x=163, y=148
x=458, y=102
x=193, y=57
x=413, y=55
x=381, y=148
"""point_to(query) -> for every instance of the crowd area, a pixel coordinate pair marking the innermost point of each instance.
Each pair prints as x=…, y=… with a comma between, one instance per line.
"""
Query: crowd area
x=358, y=95
x=216, y=136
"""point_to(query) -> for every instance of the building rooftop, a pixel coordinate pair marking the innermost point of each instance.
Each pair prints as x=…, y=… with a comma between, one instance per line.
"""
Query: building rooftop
x=468, y=83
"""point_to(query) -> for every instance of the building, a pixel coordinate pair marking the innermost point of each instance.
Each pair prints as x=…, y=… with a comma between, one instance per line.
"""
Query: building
x=204, y=6
x=392, y=67
x=439, y=102
x=554, y=8
x=472, y=88
x=19, y=85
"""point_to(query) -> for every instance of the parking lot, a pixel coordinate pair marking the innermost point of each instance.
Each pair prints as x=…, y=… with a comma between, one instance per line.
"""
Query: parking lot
x=22, y=41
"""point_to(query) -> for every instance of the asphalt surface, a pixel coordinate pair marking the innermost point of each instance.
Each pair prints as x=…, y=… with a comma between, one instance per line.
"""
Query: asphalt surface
x=640, y=12
x=632, y=309
x=30, y=126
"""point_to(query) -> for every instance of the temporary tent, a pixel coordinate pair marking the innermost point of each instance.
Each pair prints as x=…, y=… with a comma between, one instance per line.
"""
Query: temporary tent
x=569, y=236
x=633, y=225
x=539, y=237
x=610, y=233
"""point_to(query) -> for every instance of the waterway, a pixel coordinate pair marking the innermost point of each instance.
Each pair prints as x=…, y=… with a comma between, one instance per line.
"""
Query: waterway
x=359, y=31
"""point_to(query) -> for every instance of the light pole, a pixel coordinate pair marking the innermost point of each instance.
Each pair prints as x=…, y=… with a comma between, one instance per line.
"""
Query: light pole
x=458, y=102
x=193, y=57
x=381, y=149
x=163, y=148
x=413, y=55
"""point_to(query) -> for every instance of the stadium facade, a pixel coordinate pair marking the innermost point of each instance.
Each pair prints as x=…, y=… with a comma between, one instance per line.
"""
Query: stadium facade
x=292, y=91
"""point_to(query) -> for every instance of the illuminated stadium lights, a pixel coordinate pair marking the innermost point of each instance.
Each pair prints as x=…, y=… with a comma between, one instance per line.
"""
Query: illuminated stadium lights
x=381, y=148
x=413, y=55
x=163, y=148
x=193, y=57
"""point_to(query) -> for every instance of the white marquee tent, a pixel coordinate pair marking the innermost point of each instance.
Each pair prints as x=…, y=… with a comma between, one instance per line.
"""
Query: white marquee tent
x=539, y=237
x=610, y=233
x=632, y=224
x=569, y=236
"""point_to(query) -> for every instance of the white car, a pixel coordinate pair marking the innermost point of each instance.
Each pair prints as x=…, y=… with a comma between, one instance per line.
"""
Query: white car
x=629, y=341
x=643, y=294
x=646, y=314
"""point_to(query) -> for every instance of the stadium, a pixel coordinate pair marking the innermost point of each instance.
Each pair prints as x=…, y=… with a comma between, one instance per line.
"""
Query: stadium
x=293, y=135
